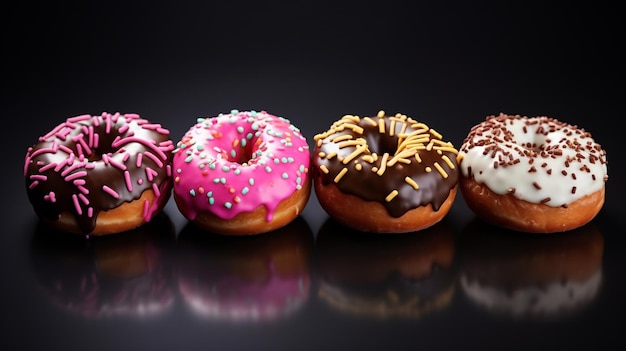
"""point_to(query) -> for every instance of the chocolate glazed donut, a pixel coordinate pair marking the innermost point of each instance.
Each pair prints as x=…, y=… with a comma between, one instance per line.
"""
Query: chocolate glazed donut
x=90, y=164
x=393, y=161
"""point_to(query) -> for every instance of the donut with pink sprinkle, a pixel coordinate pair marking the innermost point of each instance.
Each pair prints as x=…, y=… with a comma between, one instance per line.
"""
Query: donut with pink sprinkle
x=100, y=174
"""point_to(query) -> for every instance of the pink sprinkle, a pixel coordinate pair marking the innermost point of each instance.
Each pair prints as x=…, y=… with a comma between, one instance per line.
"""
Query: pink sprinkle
x=84, y=199
x=75, y=175
x=117, y=164
x=129, y=184
x=123, y=129
x=42, y=151
x=155, y=187
x=96, y=138
x=33, y=184
x=76, y=204
x=110, y=191
x=82, y=189
x=71, y=168
x=90, y=212
x=91, y=136
x=146, y=206
x=78, y=118
x=151, y=173
x=79, y=149
x=38, y=177
x=139, y=159
x=47, y=167
x=60, y=165
x=66, y=149
x=118, y=142
x=140, y=181
x=108, y=123
x=163, y=131
x=50, y=197
x=105, y=159
x=96, y=121
x=169, y=170
x=126, y=156
x=156, y=160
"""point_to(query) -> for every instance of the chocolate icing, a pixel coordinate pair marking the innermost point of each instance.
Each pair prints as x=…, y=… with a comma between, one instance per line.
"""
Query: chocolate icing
x=105, y=160
x=433, y=188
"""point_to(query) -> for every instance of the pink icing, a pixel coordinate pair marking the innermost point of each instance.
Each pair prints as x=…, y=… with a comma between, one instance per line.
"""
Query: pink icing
x=236, y=162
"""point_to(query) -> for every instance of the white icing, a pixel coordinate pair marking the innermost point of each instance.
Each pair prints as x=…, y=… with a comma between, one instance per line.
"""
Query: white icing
x=534, y=300
x=560, y=183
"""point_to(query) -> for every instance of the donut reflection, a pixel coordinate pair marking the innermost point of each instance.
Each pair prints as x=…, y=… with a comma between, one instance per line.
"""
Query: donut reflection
x=123, y=274
x=245, y=279
x=389, y=276
x=537, y=276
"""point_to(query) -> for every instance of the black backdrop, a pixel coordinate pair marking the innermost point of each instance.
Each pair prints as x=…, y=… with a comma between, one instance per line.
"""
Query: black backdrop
x=448, y=64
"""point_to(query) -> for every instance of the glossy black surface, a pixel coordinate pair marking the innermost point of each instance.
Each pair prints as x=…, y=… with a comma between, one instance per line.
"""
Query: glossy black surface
x=448, y=65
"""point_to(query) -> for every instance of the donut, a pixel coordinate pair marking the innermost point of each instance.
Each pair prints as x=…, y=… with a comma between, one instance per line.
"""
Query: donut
x=108, y=276
x=410, y=275
x=240, y=279
x=241, y=173
x=532, y=174
x=530, y=276
x=384, y=174
x=101, y=174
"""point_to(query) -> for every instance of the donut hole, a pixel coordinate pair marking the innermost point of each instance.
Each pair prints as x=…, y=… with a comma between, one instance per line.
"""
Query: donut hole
x=382, y=143
x=241, y=155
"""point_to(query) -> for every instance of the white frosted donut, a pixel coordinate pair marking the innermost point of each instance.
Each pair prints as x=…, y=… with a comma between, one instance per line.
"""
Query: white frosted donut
x=533, y=174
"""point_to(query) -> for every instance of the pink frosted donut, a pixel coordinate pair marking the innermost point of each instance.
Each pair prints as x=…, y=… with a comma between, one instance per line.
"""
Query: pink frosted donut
x=100, y=174
x=242, y=173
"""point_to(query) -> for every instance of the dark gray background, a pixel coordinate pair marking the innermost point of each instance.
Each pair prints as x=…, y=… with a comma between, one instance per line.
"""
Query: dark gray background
x=449, y=65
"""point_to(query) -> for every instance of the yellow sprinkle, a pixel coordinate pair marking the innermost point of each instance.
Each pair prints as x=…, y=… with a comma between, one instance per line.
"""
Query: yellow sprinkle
x=324, y=169
x=419, y=125
x=340, y=175
x=358, y=166
x=391, y=195
x=375, y=156
x=381, y=126
x=447, y=148
x=359, y=150
x=381, y=113
x=428, y=169
x=368, y=158
x=460, y=158
x=430, y=145
x=383, y=164
x=404, y=125
x=352, y=118
x=331, y=155
x=418, y=158
x=370, y=121
x=392, y=127
x=435, y=134
x=374, y=169
x=354, y=128
x=321, y=154
x=347, y=143
x=341, y=138
x=448, y=161
x=443, y=173
x=411, y=182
